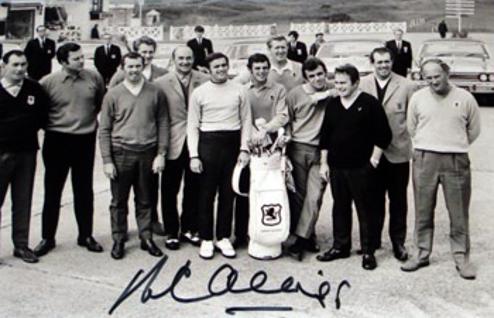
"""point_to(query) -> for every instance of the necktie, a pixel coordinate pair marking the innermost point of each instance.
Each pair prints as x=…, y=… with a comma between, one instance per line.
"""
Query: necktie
x=398, y=45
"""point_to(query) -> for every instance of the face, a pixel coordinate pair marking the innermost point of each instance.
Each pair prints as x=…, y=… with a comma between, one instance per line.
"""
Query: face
x=279, y=50
x=344, y=85
x=320, y=38
x=133, y=69
x=260, y=71
x=15, y=69
x=41, y=32
x=292, y=39
x=107, y=38
x=436, y=78
x=75, y=61
x=317, y=78
x=382, y=65
x=199, y=35
x=147, y=51
x=398, y=35
x=219, y=70
x=183, y=60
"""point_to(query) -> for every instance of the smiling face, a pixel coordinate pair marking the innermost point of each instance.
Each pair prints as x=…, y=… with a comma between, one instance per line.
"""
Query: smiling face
x=133, y=69
x=15, y=69
x=317, y=78
x=436, y=78
x=260, y=71
x=382, y=65
x=279, y=51
x=219, y=70
x=344, y=85
x=147, y=51
x=183, y=60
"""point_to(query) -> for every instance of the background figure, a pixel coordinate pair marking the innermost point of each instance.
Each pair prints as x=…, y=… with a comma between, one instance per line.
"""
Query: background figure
x=442, y=28
x=107, y=58
x=95, y=32
x=402, y=53
x=297, y=50
x=201, y=47
x=317, y=44
x=39, y=53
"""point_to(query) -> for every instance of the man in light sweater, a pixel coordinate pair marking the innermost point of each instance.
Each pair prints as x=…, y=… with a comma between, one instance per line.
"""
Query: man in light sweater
x=133, y=141
x=218, y=127
x=443, y=121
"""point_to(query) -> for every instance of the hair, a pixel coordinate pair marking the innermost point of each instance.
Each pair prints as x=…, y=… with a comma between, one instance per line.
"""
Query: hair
x=144, y=40
x=311, y=64
x=181, y=47
x=16, y=52
x=199, y=28
x=63, y=51
x=380, y=50
x=215, y=56
x=131, y=55
x=257, y=58
x=319, y=33
x=294, y=34
x=275, y=38
x=349, y=70
x=441, y=63
x=40, y=26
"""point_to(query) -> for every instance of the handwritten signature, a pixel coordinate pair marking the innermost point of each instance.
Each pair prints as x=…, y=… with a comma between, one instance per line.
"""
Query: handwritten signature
x=228, y=285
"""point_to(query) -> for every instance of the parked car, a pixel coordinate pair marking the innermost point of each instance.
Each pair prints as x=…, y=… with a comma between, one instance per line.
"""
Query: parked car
x=239, y=52
x=471, y=64
x=352, y=51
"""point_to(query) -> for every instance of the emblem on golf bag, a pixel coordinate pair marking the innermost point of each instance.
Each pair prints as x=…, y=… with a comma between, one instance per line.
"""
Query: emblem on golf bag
x=271, y=214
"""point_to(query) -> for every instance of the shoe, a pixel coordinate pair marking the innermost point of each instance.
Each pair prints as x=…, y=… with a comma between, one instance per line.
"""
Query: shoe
x=414, y=264
x=118, y=250
x=296, y=250
x=91, y=244
x=311, y=245
x=150, y=246
x=226, y=248
x=158, y=228
x=369, y=262
x=191, y=238
x=172, y=243
x=377, y=246
x=44, y=247
x=400, y=252
x=466, y=271
x=26, y=254
x=332, y=254
x=239, y=243
x=207, y=250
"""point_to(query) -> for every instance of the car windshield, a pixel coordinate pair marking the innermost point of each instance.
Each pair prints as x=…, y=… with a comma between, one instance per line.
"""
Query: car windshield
x=457, y=49
x=243, y=51
x=348, y=49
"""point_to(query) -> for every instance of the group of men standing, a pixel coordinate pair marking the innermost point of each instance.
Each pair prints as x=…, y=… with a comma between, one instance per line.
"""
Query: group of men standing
x=354, y=134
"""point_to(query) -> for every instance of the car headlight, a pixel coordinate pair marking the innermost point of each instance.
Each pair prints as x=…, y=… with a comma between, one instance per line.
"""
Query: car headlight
x=416, y=76
x=483, y=77
x=491, y=77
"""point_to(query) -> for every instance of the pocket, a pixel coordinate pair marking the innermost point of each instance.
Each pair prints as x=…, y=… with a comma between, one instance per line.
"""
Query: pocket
x=462, y=161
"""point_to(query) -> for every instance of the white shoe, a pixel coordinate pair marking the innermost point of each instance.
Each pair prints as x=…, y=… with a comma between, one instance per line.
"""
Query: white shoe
x=226, y=248
x=206, y=251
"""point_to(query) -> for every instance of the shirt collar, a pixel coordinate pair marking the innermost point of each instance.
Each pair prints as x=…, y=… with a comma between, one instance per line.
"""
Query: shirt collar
x=266, y=85
x=6, y=84
x=66, y=75
x=288, y=66
x=182, y=77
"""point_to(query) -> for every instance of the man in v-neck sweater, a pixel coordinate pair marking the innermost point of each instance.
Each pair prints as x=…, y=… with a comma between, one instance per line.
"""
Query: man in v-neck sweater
x=133, y=140
x=354, y=132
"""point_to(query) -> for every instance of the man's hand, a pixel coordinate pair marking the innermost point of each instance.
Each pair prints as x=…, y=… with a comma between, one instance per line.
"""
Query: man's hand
x=324, y=172
x=258, y=137
x=374, y=162
x=243, y=158
x=158, y=163
x=110, y=170
x=196, y=165
x=284, y=140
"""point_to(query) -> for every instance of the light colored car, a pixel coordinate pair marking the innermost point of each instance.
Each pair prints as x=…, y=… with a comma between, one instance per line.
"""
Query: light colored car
x=471, y=64
x=239, y=52
x=348, y=51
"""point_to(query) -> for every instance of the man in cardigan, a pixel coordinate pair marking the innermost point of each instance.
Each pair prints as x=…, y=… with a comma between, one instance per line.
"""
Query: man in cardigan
x=133, y=142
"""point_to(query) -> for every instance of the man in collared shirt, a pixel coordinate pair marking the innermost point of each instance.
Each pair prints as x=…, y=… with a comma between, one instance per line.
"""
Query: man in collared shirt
x=283, y=71
x=268, y=106
x=22, y=113
x=443, y=121
x=75, y=97
x=133, y=142
x=39, y=53
x=107, y=58
x=178, y=85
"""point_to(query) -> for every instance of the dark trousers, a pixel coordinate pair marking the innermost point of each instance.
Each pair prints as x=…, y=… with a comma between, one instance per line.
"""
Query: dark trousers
x=17, y=169
x=349, y=185
x=171, y=178
x=391, y=178
x=154, y=191
x=134, y=170
x=218, y=152
x=242, y=207
x=61, y=153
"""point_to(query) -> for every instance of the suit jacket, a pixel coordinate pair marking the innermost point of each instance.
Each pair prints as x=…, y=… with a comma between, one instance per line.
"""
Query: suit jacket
x=39, y=58
x=1, y=50
x=200, y=50
x=395, y=103
x=107, y=64
x=177, y=108
x=298, y=53
x=119, y=76
x=402, y=58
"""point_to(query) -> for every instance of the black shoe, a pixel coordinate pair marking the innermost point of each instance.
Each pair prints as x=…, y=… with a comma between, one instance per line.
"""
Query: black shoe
x=91, y=244
x=118, y=250
x=44, y=247
x=296, y=250
x=172, y=243
x=376, y=247
x=332, y=254
x=26, y=254
x=158, y=228
x=400, y=252
x=311, y=245
x=191, y=238
x=240, y=242
x=150, y=246
x=369, y=262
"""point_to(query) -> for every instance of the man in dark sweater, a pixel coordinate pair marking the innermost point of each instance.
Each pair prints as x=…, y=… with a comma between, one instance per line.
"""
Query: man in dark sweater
x=22, y=113
x=354, y=132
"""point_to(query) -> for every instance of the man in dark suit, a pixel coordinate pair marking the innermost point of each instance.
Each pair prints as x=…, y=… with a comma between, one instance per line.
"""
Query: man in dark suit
x=107, y=58
x=201, y=47
x=402, y=53
x=297, y=51
x=39, y=53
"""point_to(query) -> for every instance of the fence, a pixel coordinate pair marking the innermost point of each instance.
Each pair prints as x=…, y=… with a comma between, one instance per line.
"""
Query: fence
x=310, y=28
x=224, y=31
x=132, y=33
